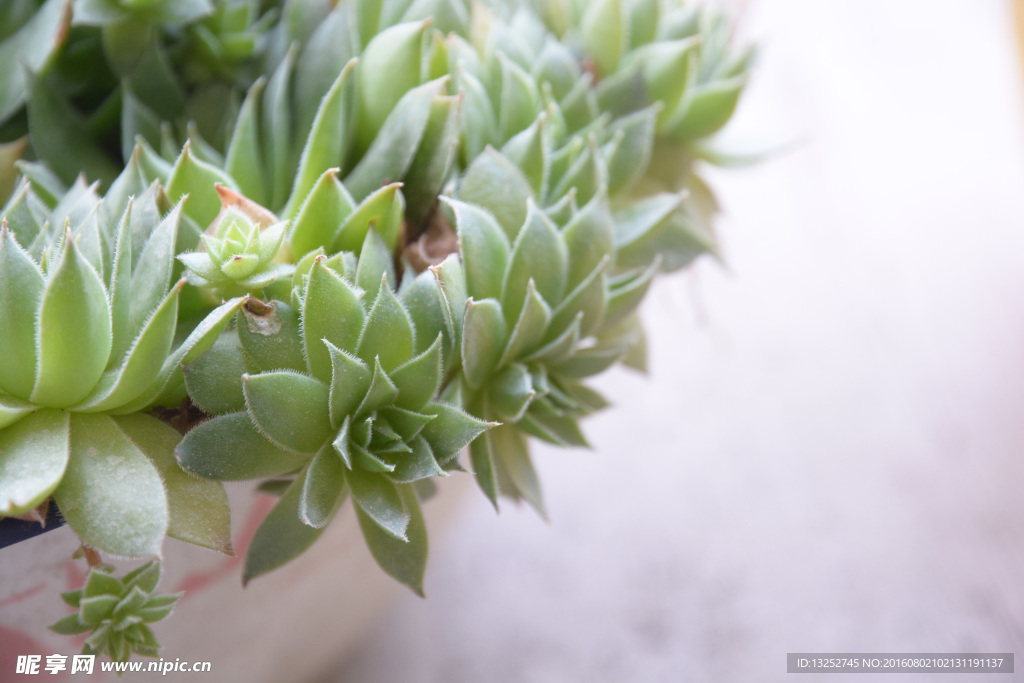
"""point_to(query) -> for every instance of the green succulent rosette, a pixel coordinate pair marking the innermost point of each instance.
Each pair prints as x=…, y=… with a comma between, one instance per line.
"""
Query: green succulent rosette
x=561, y=174
x=117, y=612
x=543, y=312
x=90, y=339
x=339, y=392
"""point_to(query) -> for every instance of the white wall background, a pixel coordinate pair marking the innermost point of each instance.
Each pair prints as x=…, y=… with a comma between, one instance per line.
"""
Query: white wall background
x=829, y=453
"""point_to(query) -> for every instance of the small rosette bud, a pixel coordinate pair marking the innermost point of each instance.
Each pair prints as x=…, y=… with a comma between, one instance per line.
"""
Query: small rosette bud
x=239, y=250
x=117, y=612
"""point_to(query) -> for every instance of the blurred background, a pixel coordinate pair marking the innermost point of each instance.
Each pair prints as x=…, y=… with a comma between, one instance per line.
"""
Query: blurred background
x=828, y=454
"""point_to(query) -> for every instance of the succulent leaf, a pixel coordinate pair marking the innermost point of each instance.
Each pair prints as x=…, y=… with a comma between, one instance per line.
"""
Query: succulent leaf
x=388, y=334
x=230, y=448
x=21, y=291
x=496, y=184
x=289, y=408
x=327, y=141
x=111, y=495
x=375, y=259
x=394, y=147
x=268, y=335
x=73, y=328
x=484, y=339
x=404, y=558
x=389, y=68
x=33, y=458
x=323, y=213
x=539, y=254
x=332, y=311
x=281, y=536
x=323, y=489
x=484, y=249
x=13, y=409
x=419, y=378
x=197, y=508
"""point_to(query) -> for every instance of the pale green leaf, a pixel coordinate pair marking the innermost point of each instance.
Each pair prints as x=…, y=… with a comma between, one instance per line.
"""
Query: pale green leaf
x=387, y=333
x=350, y=381
x=244, y=159
x=13, y=409
x=451, y=430
x=483, y=468
x=484, y=338
x=539, y=254
x=331, y=310
x=142, y=362
x=513, y=458
x=418, y=379
x=321, y=216
x=531, y=327
x=382, y=393
x=510, y=393
x=484, y=249
x=198, y=342
x=30, y=47
x=326, y=144
x=389, y=68
x=710, y=108
x=33, y=458
x=289, y=408
x=214, y=380
x=589, y=238
x=111, y=495
x=270, y=336
x=198, y=508
x=230, y=448
x=496, y=184
x=196, y=178
x=21, y=290
x=375, y=261
x=323, y=489
x=380, y=500
x=276, y=125
x=405, y=559
x=73, y=326
x=415, y=466
x=281, y=537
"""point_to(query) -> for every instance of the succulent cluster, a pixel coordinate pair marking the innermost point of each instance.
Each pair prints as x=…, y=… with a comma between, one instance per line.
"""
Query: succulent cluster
x=359, y=238
x=116, y=612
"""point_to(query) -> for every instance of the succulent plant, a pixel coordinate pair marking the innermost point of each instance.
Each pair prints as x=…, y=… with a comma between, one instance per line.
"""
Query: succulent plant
x=338, y=390
x=90, y=319
x=116, y=612
x=436, y=217
x=543, y=313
